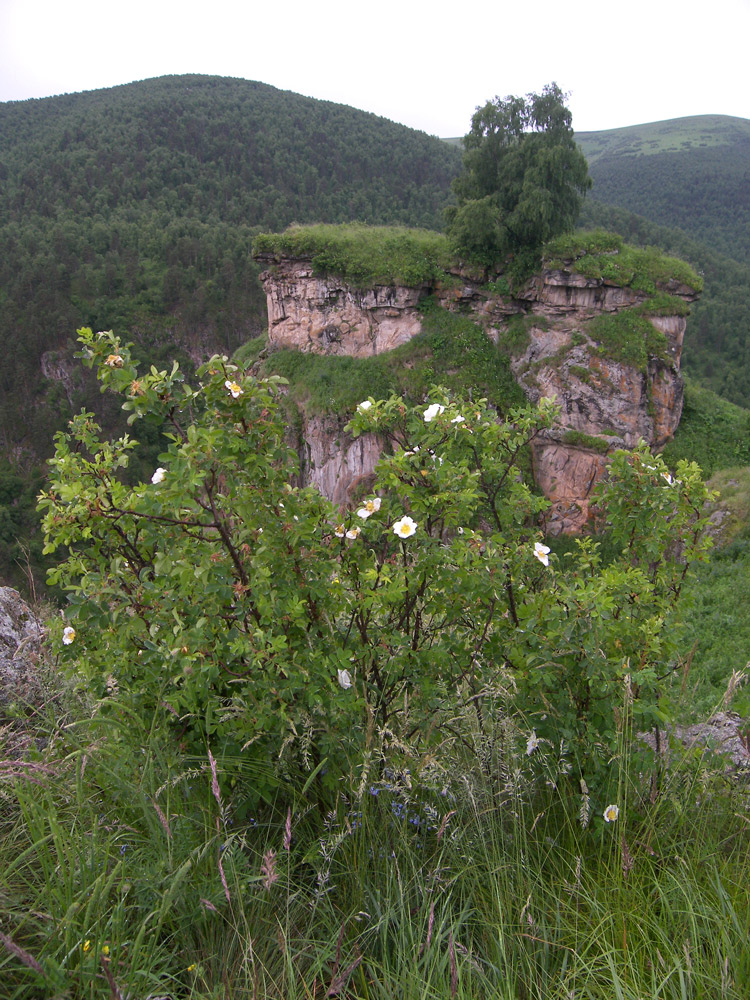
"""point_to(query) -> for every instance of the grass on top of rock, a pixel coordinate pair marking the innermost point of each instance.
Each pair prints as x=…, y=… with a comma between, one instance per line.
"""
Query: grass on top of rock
x=629, y=338
x=605, y=257
x=364, y=256
x=662, y=304
x=451, y=350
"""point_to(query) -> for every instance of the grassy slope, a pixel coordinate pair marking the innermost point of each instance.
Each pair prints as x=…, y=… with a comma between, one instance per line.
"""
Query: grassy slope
x=675, y=135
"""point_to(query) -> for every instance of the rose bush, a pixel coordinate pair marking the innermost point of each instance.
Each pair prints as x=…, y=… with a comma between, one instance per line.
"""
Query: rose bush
x=240, y=608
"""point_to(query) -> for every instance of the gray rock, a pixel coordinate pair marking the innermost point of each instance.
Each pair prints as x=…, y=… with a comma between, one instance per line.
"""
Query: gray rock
x=725, y=733
x=20, y=647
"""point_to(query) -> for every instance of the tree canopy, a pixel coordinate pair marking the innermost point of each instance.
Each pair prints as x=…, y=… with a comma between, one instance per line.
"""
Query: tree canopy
x=524, y=177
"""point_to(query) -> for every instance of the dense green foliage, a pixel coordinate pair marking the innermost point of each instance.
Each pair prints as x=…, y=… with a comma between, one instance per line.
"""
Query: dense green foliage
x=524, y=178
x=686, y=173
x=221, y=594
x=363, y=256
x=712, y=432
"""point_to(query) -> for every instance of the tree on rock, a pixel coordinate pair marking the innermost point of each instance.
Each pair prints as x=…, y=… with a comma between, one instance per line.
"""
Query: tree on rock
x=524, y=178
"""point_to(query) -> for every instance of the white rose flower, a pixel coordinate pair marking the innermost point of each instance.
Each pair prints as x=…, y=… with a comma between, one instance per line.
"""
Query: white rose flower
x=353, y=533
x=345, y=679
x=542, y=553
x=158, y=476
x=364, y=405
x=404, y=527
x=69, y=634
x=432, y=411
x=233, y=388
x=369, y=507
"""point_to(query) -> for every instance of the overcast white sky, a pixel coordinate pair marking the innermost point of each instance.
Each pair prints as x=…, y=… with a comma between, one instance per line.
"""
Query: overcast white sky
x=426, y=64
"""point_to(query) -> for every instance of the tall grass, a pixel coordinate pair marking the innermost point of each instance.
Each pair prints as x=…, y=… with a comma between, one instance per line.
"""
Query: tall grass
x=471, y=871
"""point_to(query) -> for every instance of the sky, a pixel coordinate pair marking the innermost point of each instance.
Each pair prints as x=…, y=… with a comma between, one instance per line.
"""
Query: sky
x=427, y=65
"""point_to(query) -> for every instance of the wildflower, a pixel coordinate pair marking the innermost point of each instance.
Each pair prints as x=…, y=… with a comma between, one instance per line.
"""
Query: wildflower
x=404, y=527
x=105, y=950
x=192, y=967
x=458, y=420
x=158, y=476
x=369, y=507
x=460, y=531
x=532, y=743
x=114, y=361
x=670, y=481
x=345, y=679
x=339, y=531
x=542, y=553
x=353, y=533
x=87, y=945
x=432, y=411
x=233, y=388
x=69, y=634
x=611, y=813
x=364, y=405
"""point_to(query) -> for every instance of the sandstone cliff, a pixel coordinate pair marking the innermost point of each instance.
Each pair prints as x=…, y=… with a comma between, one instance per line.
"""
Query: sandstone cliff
x=608, y=398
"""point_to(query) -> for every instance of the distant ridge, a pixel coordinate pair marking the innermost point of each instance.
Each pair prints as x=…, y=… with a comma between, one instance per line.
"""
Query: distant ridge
x=673, y=135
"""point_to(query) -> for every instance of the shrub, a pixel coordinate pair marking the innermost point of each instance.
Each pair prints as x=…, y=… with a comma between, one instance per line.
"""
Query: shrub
x=245, y=611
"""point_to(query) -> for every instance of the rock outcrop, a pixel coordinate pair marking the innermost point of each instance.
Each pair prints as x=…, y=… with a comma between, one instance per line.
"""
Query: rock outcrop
x=325, y=315
x=605, y=403
x=333, y=461
x=22, y=679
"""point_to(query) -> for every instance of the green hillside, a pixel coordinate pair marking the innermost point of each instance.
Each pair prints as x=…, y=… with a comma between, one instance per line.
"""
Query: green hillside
x=690, y=173
x=134, y=208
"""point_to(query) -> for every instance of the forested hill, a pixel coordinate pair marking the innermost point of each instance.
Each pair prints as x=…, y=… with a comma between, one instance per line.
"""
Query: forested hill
x=134, y=207
x=690, y=173
x=218, y=149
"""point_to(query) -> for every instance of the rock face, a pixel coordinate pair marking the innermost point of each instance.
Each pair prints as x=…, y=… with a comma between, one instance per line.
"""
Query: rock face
x=20, y=645
x=22, y=679
x=325, y=315
x=333, y=461
x=605, y=403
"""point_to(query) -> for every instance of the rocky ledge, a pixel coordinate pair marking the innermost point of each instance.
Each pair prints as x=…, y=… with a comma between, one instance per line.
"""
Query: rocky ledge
x=608, y=397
